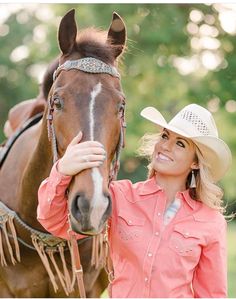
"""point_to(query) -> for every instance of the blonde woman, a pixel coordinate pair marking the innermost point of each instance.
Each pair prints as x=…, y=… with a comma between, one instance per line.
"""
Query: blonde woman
x=167, y=234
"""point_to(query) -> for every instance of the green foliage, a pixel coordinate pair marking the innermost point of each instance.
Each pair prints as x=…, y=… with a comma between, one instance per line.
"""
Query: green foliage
x=231, y=260
x=158, y=35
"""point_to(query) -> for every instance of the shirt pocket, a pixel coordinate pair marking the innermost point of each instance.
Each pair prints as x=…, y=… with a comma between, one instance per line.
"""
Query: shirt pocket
x=185, y=242
x=130, y=227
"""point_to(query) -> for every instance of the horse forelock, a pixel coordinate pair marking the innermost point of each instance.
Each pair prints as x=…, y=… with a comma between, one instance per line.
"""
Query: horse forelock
x=92, y=42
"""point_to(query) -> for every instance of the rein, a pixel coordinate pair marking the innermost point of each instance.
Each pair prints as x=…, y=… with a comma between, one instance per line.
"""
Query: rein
x=100, y=242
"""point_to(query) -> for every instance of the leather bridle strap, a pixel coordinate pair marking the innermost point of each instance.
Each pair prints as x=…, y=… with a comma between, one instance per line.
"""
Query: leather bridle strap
x=95, y=66
x=78, y=270
x=89, y=65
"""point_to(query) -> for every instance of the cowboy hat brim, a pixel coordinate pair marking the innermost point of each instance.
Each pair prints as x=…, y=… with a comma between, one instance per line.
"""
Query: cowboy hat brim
x=215, y=151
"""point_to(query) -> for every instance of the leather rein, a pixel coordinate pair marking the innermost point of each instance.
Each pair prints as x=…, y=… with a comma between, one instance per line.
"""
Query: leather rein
x=94, y=66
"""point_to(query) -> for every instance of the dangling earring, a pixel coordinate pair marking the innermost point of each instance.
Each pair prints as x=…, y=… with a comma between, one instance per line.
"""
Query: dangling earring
x=193, y=181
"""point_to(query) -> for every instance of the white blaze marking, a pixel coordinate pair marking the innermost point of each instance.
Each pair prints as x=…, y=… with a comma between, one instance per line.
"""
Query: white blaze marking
x=99, y=203
x=97, y=89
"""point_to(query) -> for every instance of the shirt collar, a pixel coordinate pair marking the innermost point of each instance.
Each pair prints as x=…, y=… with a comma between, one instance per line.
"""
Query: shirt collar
x=150, y=186
x=187, y=198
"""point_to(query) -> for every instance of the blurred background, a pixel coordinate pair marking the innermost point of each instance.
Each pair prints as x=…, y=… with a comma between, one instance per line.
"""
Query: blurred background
x=176, y=54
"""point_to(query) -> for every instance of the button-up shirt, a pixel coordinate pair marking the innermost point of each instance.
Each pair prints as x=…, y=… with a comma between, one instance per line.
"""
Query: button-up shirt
x=186, y=258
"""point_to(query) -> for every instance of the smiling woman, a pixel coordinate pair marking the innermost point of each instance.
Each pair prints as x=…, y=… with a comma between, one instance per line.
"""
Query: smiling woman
x=170, y=226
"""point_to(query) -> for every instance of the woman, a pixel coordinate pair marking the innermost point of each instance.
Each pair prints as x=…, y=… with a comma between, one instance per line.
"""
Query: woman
x=167, y=234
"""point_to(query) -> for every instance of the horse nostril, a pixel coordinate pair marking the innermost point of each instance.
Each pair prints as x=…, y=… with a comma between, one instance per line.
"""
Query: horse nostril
x=109, y=207
x=79, y=205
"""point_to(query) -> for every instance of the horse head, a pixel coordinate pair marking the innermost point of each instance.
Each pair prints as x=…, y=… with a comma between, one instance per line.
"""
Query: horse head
x=86, y=95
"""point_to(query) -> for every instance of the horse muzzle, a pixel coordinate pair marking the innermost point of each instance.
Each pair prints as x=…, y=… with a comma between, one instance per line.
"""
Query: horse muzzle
x=89, y=216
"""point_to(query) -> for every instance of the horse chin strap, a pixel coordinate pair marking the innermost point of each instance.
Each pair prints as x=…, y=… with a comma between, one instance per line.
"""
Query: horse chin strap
x=95, y=66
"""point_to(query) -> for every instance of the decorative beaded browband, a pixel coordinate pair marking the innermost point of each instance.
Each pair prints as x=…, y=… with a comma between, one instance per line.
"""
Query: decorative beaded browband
x=88, y=65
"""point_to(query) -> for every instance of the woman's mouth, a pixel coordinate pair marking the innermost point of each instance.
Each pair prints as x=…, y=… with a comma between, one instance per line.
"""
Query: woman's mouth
x=163, y=157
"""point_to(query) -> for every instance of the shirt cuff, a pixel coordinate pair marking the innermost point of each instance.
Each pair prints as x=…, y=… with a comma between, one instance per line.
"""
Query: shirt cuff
x=59, y=177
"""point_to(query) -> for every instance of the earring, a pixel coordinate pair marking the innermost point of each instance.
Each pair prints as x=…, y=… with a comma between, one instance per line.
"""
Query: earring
x=193, y=181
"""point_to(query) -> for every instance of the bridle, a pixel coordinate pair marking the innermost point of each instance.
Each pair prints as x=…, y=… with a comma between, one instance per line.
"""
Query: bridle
x=94, y=66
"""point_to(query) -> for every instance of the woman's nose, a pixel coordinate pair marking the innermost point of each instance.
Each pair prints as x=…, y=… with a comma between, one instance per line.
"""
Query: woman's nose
x=167, y=145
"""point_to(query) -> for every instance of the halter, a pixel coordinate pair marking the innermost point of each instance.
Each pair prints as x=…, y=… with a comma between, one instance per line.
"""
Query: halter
x=94, y=66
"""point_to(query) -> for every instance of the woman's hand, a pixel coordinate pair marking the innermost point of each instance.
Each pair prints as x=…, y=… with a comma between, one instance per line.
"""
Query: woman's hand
x=80, y=156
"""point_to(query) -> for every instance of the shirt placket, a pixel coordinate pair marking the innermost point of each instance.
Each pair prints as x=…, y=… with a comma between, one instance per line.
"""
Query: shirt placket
x=154, y=244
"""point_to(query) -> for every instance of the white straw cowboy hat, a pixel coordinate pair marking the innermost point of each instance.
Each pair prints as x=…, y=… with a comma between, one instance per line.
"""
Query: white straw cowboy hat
x=197, y=124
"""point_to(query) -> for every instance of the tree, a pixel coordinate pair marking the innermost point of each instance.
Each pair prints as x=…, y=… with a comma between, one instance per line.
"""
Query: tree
x=177, y=54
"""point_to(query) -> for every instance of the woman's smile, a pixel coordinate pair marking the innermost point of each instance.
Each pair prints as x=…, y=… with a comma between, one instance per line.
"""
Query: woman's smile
x=163, y=157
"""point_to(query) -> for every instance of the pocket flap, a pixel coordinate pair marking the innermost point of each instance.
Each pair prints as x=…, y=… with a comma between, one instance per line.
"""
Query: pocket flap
x=131, y=219
x=186, y=232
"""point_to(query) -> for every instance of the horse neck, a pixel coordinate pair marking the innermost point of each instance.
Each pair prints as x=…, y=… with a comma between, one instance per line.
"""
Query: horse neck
x=37, y=169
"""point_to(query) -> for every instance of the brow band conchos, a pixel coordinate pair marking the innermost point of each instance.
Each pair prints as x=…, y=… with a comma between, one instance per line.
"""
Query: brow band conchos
x=88, y=65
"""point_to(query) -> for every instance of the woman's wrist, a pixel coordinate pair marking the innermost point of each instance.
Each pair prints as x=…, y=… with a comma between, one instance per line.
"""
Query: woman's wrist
x=60, y=168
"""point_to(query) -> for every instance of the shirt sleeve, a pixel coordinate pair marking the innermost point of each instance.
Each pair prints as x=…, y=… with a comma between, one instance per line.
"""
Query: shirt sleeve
x=52, y=210
x=210, y=277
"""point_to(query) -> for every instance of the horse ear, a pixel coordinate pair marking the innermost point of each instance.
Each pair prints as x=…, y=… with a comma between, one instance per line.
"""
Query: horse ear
x=117, y=33
x=67, y=32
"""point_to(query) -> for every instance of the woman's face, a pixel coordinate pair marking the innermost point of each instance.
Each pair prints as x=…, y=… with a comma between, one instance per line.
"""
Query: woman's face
x=174, y=155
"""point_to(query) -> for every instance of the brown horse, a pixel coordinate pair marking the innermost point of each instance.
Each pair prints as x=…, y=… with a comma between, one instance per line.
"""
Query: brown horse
x=86, y=95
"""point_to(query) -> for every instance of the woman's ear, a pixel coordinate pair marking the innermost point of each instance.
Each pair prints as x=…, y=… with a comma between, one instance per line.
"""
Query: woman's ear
x=194, y=166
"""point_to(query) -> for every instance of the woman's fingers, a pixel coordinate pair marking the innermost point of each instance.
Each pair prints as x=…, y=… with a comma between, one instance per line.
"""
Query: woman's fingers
x=92, y=158
x=76, y=139
x=80, y=156
x=89, y=144
x=89, y=151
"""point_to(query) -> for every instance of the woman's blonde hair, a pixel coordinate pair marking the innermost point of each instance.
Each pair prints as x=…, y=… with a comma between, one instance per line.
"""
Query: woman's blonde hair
x=206, y=190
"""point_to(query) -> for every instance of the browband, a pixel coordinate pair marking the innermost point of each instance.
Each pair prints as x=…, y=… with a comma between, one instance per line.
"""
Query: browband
x=88, y=65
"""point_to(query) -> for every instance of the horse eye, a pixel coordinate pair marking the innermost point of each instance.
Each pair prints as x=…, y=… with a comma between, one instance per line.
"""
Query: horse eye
x=121, y=107
x=58, y=103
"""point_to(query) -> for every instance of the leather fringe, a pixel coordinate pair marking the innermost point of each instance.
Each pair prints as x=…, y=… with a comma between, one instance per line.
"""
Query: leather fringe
x=7, y=228
x=46, y=249
x=47, y=257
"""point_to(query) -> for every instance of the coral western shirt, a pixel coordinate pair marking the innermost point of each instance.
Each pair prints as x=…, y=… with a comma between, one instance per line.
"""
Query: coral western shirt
x=186, y=258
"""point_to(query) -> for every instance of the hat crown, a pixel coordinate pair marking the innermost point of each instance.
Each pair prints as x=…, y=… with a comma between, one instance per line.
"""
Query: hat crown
x=195, y=121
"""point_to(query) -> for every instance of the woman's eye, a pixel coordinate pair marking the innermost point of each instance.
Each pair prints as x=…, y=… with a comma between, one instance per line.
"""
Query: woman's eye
x=164, y=136
x=180, y=143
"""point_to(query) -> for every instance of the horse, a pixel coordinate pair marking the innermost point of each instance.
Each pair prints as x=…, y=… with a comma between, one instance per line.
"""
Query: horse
x=85, y=95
